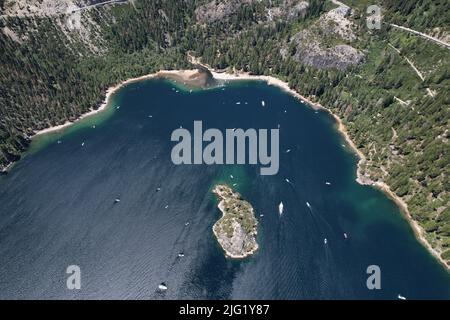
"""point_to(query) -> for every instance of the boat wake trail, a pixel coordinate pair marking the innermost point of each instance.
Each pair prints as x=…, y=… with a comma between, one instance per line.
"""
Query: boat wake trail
x=321, y=225
x=317, y=217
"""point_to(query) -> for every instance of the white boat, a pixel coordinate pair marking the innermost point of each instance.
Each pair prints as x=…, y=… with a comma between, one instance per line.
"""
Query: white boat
x=186, y=224
x=158, y=189
x=118, y=107
x=162, y=286
x=234, y=184
x=288, y=150
x=231, y=176
x=401, y=297
x=287, y=180
x=328, y=183
x=263, y=103
x=307, y=203
x=59, y=141
x=116, y=200
x=181, y=254
x=150, y=116
x=345, y=236
x=280, y=208
x=261, y=215
x=82, y=144
x=93, y=127
x=238, y=102
x=166, y=206
x=325, y=241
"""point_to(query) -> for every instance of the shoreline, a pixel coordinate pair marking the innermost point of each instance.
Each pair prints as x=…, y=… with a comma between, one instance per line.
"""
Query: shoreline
x=176, y=75
x=103, y=106
x=360, y=178
x=69, y=123
x=187, y=75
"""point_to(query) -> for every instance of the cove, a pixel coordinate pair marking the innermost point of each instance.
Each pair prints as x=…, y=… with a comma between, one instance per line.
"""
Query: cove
x=57, y=208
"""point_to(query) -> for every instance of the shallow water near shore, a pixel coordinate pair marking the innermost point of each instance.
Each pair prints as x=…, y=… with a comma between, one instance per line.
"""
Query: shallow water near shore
x=57, y=208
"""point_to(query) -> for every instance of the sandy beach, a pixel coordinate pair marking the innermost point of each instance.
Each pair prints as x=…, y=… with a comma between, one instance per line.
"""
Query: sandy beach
x=194, y=78
x=109, y=92
x=186, y=77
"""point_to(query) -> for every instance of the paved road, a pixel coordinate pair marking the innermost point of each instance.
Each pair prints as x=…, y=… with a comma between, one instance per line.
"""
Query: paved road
x=75, y=9
x=99, y=4
x=338, y=3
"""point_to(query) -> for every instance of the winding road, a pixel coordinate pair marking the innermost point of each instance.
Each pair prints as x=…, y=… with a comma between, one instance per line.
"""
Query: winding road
x=424, y=35
x=69, y=10
x=98, y=4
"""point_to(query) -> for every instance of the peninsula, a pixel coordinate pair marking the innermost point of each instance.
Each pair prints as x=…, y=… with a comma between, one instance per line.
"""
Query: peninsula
x=237, y=228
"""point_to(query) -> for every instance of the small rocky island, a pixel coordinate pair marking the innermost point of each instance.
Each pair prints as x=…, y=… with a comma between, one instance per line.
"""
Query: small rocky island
x=237, y=228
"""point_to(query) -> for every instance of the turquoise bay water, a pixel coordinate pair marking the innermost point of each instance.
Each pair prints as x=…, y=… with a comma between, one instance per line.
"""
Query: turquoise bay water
x=57, y=209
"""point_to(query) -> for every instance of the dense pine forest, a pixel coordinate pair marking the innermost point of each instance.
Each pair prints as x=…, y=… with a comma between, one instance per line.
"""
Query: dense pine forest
x=390, y=87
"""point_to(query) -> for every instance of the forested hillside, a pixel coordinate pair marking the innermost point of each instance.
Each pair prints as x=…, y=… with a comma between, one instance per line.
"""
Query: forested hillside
x=389, y=86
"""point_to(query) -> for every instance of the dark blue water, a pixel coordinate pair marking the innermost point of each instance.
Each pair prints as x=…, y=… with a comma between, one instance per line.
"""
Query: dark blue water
x=57, y=209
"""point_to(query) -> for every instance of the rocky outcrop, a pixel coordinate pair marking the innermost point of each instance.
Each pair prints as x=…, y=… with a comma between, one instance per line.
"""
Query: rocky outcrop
x=42, y=7
x=72, y=17
x=288, y=10
x=336, y=22
x=311, y=52
x=218, y=10
x=326, y=43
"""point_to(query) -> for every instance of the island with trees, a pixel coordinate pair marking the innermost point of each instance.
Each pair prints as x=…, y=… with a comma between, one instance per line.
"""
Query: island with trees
x=236, y=230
